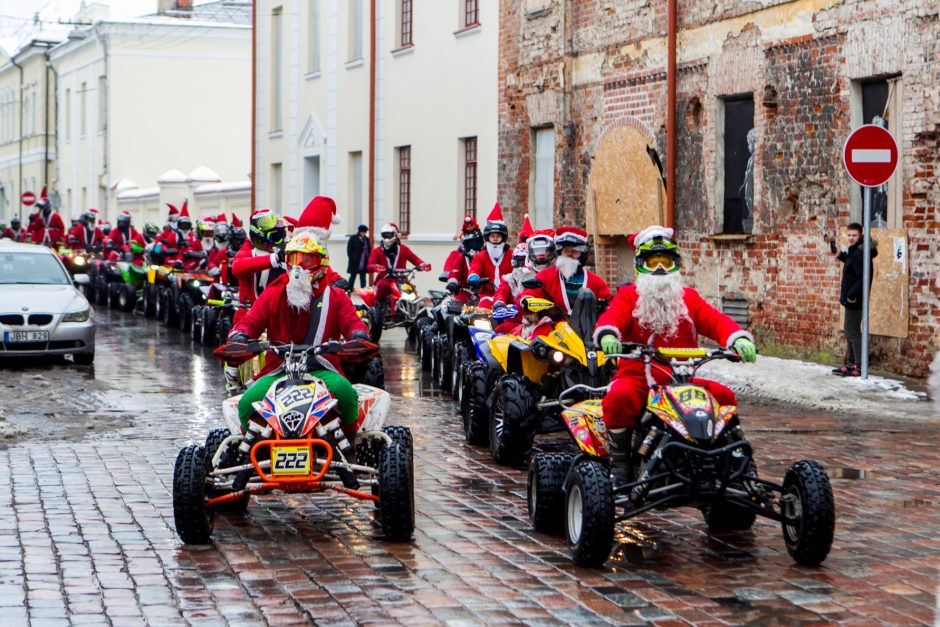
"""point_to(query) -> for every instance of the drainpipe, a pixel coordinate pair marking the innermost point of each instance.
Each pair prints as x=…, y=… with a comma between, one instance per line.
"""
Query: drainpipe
x=372, y=38
x=671, y=79
x=19, y=182
x=55, y=117
x=254, y=91
x=106, y=164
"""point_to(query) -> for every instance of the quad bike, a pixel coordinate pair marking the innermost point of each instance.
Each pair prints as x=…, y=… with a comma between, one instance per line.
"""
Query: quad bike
x=193, y=289
x=423, y=317
x=126, y=284
x=535, y=370
x=449, y=324
x=400, y=309
x=462, y=346
x=297, y=446
x=425, y=327
x=158, y=281
x=478, y=374
x=686, y=451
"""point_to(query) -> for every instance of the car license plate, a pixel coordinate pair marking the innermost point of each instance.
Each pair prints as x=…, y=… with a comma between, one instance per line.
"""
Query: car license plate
x=290, y=460
x=10, y=337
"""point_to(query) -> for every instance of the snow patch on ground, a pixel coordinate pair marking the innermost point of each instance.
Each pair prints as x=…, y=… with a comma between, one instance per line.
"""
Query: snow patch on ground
x=814, y=385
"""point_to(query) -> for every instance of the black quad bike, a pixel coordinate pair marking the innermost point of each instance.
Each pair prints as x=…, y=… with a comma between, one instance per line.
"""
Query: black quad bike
x=686, y=451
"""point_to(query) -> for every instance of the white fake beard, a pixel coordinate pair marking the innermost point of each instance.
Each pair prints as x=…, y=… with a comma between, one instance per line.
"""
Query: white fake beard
x=660, y=305
x=567, y=266
x=521, y=274
x=388, y=243
x=207, y=242
x=299, y=289
x=495, y=251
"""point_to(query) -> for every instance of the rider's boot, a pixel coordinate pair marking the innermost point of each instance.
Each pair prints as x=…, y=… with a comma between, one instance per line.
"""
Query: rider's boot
x=233, y=383
x=619, y=455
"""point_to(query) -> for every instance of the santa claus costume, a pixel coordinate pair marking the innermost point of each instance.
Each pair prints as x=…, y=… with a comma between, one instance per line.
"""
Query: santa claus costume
x=510, y=284
x=123, y=238
x=495, y=259
x=458, y=262
x=391, y=254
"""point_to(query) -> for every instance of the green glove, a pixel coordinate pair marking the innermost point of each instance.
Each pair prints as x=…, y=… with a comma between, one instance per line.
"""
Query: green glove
x=610, y=344
x=746, y=349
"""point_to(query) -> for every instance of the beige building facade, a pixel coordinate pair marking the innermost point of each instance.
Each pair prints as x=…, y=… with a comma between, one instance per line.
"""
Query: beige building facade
x=420, y=115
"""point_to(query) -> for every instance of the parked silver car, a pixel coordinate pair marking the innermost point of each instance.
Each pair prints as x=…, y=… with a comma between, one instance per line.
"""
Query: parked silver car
x=41, y=311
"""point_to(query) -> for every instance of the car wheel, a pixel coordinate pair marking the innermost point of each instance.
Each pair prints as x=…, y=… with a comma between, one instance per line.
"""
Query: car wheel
x=84, y=359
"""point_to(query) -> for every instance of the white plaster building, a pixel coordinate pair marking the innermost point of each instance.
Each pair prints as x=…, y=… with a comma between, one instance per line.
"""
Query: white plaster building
x=433, y=103
x=139, y=97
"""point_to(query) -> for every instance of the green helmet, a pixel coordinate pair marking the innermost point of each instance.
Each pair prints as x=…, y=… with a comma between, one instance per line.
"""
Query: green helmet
x=658, y=255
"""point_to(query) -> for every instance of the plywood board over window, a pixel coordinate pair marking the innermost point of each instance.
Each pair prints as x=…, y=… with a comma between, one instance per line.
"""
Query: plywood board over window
x=625, y=187
x=888, y=305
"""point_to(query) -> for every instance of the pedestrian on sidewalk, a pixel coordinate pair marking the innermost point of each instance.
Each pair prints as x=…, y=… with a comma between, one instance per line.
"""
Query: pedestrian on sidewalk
x=850, y=296
x=357, y=250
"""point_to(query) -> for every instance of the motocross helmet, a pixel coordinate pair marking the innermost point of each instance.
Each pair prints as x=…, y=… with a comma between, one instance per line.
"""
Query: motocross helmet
x=390, y=235
x=306, y=251
x=76, y=218
x=519, y=255
x=267, y=231
x=496, y=227
x=151, y=231
x=236, y=238
x=541, y=251
x=573, y=237
x=106, y=228
x=123, y=220
x=88, y=217
x=659, y=255
x=204, y=229
x=221, y=232
x=471, y=242
x=184, y=223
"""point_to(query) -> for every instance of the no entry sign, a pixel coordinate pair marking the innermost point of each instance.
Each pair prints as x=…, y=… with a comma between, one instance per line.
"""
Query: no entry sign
x=870, y=155
x=28, y=199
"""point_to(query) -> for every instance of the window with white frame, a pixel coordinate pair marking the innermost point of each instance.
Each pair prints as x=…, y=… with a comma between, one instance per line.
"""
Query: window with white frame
x=356, y=193
x=313, y=38
x=277, y=62
x=542, y=179
x=355, y=29
x=469, y=176
x=404, y=189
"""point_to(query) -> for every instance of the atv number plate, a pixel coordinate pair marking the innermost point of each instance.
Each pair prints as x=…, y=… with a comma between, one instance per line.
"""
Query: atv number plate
x=290, y=460
x=10, y=337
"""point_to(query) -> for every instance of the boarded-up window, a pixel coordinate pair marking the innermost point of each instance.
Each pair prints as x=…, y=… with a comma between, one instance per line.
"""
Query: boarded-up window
x=738, y=122
x=543, y=181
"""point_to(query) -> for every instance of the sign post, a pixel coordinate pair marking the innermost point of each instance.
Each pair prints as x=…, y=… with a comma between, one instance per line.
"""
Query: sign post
x=870, y=156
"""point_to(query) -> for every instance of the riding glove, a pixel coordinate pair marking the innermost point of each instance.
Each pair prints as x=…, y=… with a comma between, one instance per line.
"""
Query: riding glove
x=746, y=349
x=610, y=344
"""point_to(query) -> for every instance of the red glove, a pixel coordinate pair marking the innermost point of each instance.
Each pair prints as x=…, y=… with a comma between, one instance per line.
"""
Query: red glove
x=425, y=267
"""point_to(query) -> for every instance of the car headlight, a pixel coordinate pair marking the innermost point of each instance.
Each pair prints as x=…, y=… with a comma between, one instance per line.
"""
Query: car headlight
x=81, y=315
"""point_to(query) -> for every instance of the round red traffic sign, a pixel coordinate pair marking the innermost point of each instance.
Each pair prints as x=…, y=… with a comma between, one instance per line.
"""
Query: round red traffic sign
x=28, y=199
x=870, y=155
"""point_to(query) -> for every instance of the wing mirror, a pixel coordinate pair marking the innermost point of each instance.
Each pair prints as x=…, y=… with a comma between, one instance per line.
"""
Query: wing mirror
x=81, y=279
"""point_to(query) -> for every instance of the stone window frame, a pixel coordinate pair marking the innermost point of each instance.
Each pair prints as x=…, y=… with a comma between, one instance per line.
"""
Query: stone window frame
x=895, y=217
x=470, y=175
x=719, y=177
x=403, y=188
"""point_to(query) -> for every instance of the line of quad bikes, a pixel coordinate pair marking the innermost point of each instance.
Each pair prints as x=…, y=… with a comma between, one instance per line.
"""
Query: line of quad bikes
x=686, y=450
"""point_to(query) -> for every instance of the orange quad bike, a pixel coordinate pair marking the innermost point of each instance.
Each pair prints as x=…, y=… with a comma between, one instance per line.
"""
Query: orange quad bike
x=297, y=445
x=686, y=451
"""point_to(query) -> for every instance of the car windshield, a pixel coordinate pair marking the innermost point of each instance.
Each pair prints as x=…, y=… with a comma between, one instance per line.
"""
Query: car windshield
x=31, y=269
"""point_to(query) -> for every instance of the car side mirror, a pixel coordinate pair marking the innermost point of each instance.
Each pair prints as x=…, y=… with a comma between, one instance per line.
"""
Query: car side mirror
x=81, y=279
x=532, y=284
x=443, y=276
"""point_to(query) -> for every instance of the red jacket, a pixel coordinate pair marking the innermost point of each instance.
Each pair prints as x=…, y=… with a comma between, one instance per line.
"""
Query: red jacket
x=483, y=267
x=703, y=319
x=49, y=231
x=175, y=240
x=284, y=323
x=80, y=238
x=553, y=289
x=16, y=236
x=379, y=262
x=116, y=244
x=459, y=273
x=452, y=258
x=252, y=268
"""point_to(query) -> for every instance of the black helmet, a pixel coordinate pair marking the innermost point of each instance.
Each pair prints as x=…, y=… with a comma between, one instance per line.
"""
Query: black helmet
x=236, y=237
x=267, y=231
x=89, y=217
x=541, y=251
x=184, y=223
x=471, y=242
x=123, y=219
x=221, y=232
x=496, y=227
x=15, y=222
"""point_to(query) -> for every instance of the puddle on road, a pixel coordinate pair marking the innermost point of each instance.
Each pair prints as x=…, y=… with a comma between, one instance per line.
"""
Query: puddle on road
x=844, y=472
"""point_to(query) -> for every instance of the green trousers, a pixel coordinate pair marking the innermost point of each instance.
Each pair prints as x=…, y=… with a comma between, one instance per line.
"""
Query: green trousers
x=341, y=389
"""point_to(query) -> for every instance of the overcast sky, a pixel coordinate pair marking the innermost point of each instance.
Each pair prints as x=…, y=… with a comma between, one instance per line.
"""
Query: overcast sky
x=16, y=16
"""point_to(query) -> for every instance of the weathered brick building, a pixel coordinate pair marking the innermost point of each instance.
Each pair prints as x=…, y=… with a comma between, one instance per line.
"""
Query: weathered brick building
x=766, y=93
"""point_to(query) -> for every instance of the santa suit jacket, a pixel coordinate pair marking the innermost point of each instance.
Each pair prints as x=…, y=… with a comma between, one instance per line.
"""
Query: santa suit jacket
x=117, y=244
x=484, y=267
x=80, y=238
x=49, y=231
x=16, y=236
x=554, y=290
x=703, y=319
x=252, y=268
x=379, y=262
x=284, y=323
x=459, y=272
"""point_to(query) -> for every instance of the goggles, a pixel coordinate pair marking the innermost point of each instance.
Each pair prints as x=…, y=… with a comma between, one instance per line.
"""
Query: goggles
x=388, y=235
x=307, y=261
x=655, y=262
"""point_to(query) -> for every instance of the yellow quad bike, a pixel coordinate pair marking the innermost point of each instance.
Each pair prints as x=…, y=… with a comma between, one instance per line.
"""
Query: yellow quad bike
x=156, y=290
x=523, y=402
x=686, y=451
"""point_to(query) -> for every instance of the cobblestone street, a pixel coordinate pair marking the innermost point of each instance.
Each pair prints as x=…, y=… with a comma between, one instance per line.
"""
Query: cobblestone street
x=87, y=536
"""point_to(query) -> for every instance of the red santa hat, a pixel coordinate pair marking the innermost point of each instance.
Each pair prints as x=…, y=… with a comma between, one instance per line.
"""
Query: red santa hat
x=496, y=215
x=220, y=219
x=469, y=225
x=318, y=218
x=174, y=212
x=125, y=214
x=638, y=239
x=236, y=223
x=43, y=195
x=526, y=230
x=570, y=236
x=184, y=212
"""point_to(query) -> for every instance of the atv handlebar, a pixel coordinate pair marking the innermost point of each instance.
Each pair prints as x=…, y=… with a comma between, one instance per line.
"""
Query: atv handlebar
x=600, y=391
x=351, y=349
x=668, y=356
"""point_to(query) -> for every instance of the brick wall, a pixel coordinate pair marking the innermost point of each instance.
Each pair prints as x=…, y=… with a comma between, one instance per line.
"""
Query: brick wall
x=798, y=58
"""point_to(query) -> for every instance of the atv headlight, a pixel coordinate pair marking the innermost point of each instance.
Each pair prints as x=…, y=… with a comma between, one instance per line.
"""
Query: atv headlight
x=81, y=315
x=78, y=261
x=196, y=283
x=483, y=323
x=558, y=357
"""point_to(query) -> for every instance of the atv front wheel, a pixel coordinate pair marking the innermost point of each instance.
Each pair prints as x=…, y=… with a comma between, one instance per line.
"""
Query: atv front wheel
x=213, y=441
x=194, y=520
x=589, y=514
x=150, y=300
x=114, y=293
x=223, y=326
x=396, y=511
x=512, y=422
x=545, y=495
x=427, y=346
x=195, y=329
x=101, y=289
x=809, y=513
x=185, y=313
x=375, y=330
x=172, y=313
x=456, y=366
x=476, y=413
x=442, y=366
x=127, y=297
x=207, y=328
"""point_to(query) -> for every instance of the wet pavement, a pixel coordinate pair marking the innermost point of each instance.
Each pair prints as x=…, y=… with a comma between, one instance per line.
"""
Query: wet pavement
x=87, y=537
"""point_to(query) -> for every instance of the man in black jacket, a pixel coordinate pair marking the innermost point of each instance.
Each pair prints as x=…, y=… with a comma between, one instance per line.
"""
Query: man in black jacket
x=850, y=296
x=357, y=250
